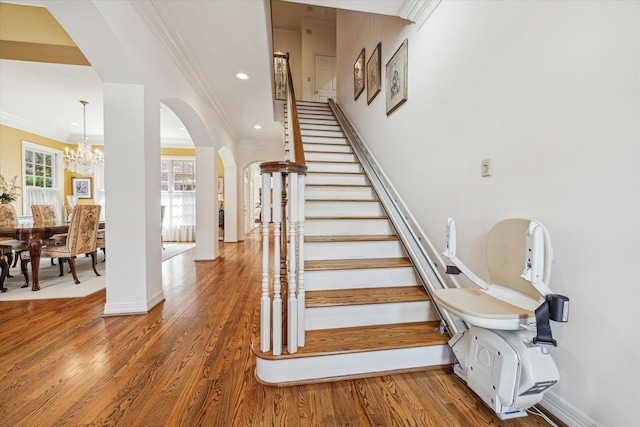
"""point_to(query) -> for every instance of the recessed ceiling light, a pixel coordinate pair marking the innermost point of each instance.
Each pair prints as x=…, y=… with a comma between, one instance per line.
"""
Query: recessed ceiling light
x=182, y=128
x=242, y=76
x=74, y=124
x=257, y=127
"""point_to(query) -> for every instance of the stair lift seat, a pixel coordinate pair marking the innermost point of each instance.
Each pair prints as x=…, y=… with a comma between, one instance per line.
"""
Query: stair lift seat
x=504, y=354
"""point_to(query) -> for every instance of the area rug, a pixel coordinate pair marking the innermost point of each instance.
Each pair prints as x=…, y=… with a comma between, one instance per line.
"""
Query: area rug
x=54, y=286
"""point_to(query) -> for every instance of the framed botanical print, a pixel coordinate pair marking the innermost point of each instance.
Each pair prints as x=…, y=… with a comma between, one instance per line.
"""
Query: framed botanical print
x=373, y=74
x=396, y=78
x=358, y=76
x=81, y=187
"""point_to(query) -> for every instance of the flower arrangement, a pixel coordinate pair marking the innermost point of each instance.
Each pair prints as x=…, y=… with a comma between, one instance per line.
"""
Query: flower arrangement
x=9, y=191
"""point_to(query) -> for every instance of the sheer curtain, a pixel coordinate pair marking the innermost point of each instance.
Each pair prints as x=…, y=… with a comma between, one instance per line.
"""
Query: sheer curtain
x=42, y=196
x=179, y=224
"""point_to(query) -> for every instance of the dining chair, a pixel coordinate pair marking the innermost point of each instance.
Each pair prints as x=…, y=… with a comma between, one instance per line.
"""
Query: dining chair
x=82, y=239
x=46, y=214
x=10, y=247
x=101, y=243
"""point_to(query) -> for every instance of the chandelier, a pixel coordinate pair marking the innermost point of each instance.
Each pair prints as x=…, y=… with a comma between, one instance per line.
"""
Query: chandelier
x=84, y=161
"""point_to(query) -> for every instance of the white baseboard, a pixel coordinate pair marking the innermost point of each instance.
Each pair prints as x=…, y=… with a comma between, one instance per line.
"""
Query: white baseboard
x=567, y=413
x=128, y=308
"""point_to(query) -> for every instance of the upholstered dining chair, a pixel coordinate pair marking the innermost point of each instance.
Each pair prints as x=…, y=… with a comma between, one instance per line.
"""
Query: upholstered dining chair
x=10, y=247
x=82, y=239
x=101, y=243
x=46, y=214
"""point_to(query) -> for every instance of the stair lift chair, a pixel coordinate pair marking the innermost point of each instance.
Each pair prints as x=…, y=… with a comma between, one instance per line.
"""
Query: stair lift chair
x=503, y=356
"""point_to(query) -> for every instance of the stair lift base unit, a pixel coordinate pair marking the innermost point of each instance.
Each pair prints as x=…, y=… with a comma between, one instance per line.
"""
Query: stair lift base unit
x=504, y=369
x=503, y=354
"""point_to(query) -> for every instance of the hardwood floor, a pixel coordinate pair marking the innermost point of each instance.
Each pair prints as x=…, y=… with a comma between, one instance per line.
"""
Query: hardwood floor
x=189, y=363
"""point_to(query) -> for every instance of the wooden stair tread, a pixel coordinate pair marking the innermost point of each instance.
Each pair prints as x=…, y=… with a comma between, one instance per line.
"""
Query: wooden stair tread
x=338, y=185
x=334, y=172
x=364, y=338
x=356, y=264
x=344, y=200
x=347, y=217
x=352, y=238
x=342, y=297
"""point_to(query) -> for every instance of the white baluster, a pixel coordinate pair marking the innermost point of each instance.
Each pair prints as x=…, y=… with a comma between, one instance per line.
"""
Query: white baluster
x=300, y=256
x=292, y=303
x=265, y=301
x=277, y=299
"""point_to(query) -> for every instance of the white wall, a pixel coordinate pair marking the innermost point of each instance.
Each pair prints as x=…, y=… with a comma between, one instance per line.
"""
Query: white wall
x=550, y=92
x=318, y=38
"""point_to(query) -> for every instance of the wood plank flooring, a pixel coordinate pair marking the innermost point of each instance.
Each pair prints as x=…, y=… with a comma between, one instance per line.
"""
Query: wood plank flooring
x=189, y=363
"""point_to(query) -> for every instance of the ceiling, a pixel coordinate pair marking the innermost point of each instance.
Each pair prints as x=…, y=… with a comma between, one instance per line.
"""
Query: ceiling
x=43, y=98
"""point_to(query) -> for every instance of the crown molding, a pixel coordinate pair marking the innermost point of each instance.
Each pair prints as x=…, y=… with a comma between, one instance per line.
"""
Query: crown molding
x=418, y=11
x=160, y=23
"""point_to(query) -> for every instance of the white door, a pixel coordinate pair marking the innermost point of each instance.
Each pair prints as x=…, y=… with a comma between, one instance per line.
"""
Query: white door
x=325, y=84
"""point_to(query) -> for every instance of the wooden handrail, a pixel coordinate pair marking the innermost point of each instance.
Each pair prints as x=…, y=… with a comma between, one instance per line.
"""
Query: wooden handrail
x=295, y=121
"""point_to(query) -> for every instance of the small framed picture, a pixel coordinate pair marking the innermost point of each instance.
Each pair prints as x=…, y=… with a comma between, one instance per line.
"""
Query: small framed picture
x=396, y=78
x=373, y=74
x=358, y=76
x=81, y=187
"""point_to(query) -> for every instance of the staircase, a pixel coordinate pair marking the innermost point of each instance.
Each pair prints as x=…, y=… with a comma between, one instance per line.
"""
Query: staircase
x=367, y=312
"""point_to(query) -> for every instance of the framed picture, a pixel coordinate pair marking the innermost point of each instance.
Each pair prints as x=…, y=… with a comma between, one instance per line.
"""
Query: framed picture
x=358, y=75
x=373, y=74
x=81, y=187
x=396, y=78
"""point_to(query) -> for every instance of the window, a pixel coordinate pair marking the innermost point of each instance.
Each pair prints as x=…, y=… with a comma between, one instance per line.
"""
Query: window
x=42, y=177
x=178, y=186
x=39, y=169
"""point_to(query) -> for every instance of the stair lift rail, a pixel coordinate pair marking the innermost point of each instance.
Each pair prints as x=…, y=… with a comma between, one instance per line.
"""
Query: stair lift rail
x=403, y=223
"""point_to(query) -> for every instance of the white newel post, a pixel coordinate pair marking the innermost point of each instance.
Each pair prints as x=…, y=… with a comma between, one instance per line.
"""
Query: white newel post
x=292, y=303
x=300, y=257
x=277, y=230
x=288, y=265
x=265, y=301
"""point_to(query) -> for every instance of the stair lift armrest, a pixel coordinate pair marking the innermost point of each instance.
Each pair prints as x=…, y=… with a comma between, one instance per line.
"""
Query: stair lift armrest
x=536, y=262
x=450, y=252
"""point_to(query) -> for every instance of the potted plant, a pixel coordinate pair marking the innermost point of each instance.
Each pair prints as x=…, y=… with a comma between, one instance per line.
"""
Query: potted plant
x=9, y=190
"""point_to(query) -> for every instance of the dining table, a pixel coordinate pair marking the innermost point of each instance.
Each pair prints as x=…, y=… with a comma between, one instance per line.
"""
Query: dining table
x=33, y=234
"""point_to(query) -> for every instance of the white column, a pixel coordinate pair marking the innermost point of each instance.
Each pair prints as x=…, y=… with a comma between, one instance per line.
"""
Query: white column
x=231, y=206
x=132, y=187
x=206, y=204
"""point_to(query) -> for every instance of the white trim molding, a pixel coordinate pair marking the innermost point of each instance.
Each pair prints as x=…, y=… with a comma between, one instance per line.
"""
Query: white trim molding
x=565, y=412
x=418, y=11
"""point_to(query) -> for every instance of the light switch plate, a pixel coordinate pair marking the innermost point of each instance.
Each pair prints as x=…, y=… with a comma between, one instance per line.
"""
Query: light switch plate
x=486, y=168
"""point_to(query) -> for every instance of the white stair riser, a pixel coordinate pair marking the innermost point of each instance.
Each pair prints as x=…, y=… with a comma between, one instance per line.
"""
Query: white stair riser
x=324, y=140
x=322, y=127
x=353, y=250
x=330, y=157
x=349, y=316
x=340, y=365
x=323, y=280
x=316, y=121
x=334, y=167
x=336, y=192
x=337, y=178
x=333, y=148
x=347, y=227
x=321, y=133
x=343, y=208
